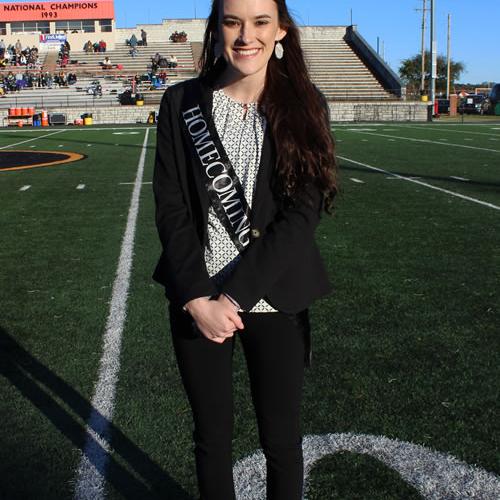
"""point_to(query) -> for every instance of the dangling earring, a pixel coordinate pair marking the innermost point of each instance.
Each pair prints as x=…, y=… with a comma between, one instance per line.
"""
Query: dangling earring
x=279, y=50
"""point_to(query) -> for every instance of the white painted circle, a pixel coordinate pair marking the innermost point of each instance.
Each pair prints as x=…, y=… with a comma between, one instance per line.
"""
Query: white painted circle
x=433, y=474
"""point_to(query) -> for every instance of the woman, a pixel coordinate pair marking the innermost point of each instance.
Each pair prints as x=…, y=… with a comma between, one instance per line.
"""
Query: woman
x=244, y=167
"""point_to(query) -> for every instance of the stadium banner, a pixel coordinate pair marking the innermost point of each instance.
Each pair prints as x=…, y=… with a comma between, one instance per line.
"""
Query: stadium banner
x=57, y=39
x=54, y=11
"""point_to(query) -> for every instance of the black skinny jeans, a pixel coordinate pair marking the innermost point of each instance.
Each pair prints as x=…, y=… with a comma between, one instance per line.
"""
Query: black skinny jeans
x=274, y=345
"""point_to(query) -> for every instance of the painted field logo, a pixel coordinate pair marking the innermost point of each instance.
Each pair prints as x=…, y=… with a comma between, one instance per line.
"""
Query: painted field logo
x=21, y=159
x=435, y=475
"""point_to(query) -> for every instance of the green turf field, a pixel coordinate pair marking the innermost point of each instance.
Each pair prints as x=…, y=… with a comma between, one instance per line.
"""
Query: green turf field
x=405, y=352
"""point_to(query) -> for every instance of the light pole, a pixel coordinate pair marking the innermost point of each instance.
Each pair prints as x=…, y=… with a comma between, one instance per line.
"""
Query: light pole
x=430, y=110
x=448, y=73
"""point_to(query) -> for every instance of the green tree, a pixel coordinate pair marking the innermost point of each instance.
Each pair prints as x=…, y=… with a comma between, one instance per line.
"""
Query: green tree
x=410, y=72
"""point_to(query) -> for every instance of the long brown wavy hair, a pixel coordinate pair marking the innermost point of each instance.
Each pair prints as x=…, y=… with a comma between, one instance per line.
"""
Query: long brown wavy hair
x=294, y=108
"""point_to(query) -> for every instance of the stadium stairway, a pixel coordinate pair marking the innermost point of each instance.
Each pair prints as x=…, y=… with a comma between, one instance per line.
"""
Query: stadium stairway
x=339, y=73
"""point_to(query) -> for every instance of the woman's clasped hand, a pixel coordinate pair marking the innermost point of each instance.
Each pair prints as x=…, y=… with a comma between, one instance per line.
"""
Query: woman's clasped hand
x=217, y=319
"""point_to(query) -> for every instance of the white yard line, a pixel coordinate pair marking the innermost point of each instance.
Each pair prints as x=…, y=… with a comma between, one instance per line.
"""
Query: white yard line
x=128, y=183
x=428, y=141
x=32, y=139
x=358, y=181
x=459, y=178
x=24, y=188
x=90, y=480
x=430, y=186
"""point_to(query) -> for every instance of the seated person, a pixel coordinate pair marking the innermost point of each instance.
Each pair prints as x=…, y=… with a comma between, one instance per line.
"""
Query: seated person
x=106, y=64
x=172, y=61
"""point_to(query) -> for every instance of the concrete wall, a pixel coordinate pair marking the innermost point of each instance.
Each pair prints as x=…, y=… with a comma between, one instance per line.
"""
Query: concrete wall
x=322, y=32
x=378, y=111
x=340, y=112
x=195, y=29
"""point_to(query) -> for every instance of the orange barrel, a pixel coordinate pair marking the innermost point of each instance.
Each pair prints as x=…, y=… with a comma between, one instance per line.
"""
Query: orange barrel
x=31, y=111
x=12, y=111
x=24, y=111
x=45, y=115
x=17, y=111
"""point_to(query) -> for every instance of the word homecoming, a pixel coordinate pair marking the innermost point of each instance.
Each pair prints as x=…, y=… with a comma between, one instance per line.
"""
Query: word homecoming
x=46, y=6
x=223, y=188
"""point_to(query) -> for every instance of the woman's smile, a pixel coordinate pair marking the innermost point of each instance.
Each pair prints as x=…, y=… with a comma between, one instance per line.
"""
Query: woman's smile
x=247, y=53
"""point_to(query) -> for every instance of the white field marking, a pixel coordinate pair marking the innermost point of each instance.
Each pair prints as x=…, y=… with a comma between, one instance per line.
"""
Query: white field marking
x=353, y=179
x=32, y=139
x=468, y=139
x=80, y=186
x=361, y=129
x=433, y=474
x=60, y=146
x=429, y=141
x=125, y=133
x=33, y=146
x=409, y=179
x=90, y=478
x=459, y=178
x=25, y=188
x=439, y=127
x=128, y=183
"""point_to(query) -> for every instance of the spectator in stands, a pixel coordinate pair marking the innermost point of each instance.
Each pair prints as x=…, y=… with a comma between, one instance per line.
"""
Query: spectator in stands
x=62, y=81
x=106, y=64
x=102, y=46
x=96, y=47
x=2, y=48
x=18, y=47
x=133, y=41
x=144, y=38
x=172, y=62
x=133, y=52
x=155, y=61
x=72, y=78
x=88, y=47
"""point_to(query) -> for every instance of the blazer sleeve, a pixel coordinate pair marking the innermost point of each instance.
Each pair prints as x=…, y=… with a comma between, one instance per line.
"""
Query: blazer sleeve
x=183, y=269
x=276, y=251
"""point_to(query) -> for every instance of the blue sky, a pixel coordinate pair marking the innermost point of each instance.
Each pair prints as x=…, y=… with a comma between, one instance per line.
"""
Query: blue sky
x=475, y=30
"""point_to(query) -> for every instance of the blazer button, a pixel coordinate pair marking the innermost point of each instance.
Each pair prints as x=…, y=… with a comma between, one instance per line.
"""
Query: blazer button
x=255, y=233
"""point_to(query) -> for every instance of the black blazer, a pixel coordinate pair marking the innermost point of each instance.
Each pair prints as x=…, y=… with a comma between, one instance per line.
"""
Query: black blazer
x=281, y=264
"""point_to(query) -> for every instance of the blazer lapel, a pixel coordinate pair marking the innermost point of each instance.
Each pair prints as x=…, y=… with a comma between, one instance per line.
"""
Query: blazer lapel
x=262, y=191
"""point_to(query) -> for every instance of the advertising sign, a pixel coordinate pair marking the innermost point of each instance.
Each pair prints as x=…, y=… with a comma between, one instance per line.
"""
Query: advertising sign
x=54, y=11
x=57, y=39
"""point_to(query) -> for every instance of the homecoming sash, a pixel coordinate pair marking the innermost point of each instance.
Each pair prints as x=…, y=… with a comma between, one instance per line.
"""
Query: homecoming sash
x=224, y=189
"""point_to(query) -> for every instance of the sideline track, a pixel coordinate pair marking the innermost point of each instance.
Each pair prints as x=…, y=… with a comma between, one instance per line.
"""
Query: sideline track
x=90, y=475
x=409, y=179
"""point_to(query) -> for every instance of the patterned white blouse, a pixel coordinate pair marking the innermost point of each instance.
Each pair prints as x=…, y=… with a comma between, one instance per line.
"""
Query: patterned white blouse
x=241, y=129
